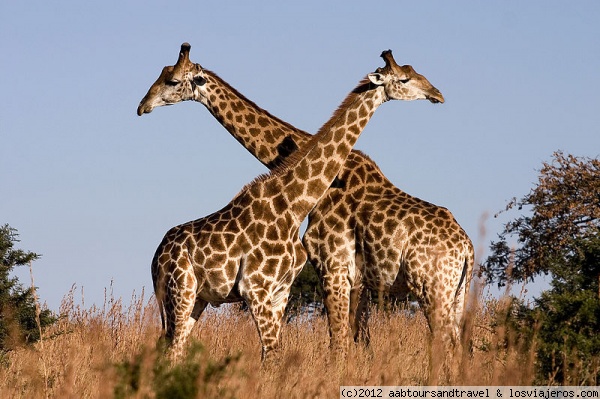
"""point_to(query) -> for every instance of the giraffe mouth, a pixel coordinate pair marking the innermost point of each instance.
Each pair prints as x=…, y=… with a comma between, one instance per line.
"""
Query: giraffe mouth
x=436, y=97
x=147, y=108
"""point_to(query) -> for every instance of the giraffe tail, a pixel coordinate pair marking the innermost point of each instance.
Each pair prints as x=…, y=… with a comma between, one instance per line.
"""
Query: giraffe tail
x=159, y=293
x=462, y=288
x=461, y=296
x=163, y=341
x=161, y=311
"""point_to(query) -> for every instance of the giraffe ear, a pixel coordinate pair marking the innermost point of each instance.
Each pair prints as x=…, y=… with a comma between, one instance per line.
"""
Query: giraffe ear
x=376, y=78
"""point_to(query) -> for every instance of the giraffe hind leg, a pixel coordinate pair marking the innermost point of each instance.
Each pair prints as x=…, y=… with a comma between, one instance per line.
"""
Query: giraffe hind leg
x=359, y=315
x=444, y=322
x=336, y=297
x=180, y=306
x=197, y=310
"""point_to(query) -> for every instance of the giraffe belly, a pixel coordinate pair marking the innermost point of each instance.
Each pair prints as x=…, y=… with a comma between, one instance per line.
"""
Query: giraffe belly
x=218, y=281
x=218, y=297
x=386, y=269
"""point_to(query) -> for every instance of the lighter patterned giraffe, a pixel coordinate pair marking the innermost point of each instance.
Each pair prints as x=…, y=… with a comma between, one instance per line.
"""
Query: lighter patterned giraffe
x=250, y=250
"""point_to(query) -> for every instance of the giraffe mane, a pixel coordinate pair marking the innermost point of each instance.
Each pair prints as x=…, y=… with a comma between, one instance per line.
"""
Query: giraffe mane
x=253, y=104
x=368, y=159
x=364, y=85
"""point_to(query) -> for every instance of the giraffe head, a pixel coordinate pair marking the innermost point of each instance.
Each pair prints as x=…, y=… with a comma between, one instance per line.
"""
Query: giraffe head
x=175, y=84
x=403, y=82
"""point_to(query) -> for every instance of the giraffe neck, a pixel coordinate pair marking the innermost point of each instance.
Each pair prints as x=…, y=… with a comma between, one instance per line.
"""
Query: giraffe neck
x=308, y=173
x=267, y=137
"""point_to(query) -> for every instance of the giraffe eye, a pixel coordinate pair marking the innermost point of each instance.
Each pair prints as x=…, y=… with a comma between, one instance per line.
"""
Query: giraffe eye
x=403, y=81
x=172, y=82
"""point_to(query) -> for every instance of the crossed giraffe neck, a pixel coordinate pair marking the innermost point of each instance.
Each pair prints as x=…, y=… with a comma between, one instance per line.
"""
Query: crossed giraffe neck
x=268, y=138
x=250, y=249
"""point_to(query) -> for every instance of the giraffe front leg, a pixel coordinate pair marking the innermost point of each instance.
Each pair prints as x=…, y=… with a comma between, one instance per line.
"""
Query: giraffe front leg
x=268, y=323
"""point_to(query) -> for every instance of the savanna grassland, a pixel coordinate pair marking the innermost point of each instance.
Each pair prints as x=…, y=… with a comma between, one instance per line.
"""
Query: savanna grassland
x=110, y=351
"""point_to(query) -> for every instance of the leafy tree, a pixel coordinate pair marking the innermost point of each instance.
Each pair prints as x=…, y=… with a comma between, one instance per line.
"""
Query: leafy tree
x=560, y=237
x=565, y=207
x=17, y=304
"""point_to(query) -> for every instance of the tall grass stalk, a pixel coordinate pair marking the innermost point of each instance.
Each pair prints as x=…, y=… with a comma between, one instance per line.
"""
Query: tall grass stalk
x=39, y=325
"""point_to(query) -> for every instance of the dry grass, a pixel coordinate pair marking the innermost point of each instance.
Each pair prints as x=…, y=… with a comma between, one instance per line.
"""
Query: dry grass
x=89, y=353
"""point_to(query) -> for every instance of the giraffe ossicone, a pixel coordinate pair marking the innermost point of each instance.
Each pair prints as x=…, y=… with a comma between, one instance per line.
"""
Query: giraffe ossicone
x=250, y=249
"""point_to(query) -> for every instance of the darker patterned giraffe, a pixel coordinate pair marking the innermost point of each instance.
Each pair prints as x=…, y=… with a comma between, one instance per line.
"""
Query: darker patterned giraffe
x=250, y=250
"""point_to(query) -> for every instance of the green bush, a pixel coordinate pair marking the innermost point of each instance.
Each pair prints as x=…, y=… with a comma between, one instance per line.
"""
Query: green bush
x=18, y=311
x=194, y=376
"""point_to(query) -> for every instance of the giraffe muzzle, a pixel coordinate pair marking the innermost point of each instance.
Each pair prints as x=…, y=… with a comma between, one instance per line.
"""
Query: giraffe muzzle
x=144, y=108
x=436, y=97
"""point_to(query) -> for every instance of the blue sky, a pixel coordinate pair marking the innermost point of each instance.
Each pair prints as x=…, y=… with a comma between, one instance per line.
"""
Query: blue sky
x=93, y=187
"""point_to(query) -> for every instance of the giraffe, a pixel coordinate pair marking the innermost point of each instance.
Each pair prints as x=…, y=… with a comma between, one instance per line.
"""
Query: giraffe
x=364, y=232
x=250, y=250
